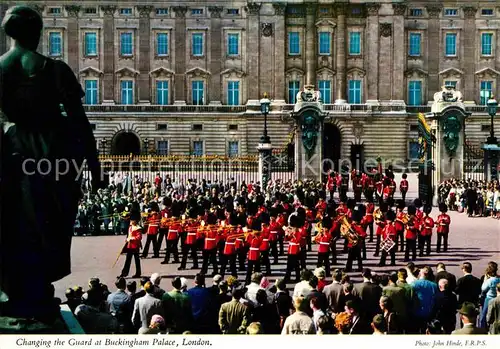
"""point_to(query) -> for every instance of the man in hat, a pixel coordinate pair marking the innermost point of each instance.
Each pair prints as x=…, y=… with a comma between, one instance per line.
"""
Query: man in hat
x=468, y=316
x=411, y=234
x=189, y=246
x=399, y=225
x=229, y=252
x=403, y=186
x=323, y=239
x=152, y=231
x=293, y=237
x=133, y=246
x=368, y=221
x=443, y=228
x=165, y=213
x=210, y=246
x=389, y=236
x=355, y=244
x=174, y=231
x=426, y=232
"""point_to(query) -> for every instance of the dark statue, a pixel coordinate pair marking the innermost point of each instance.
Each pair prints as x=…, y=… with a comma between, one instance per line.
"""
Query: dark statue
x=422, y=148
x=451, y=134
x=310, y=127
x=38, y=208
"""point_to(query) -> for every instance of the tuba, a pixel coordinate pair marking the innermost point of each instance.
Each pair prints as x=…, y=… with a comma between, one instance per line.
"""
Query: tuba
x=347, y=232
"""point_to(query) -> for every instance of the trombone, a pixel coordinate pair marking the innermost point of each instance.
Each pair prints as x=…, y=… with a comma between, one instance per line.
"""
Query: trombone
x=108, y=216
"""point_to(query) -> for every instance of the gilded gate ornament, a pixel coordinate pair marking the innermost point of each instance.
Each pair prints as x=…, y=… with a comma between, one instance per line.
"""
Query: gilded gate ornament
x=451, y=130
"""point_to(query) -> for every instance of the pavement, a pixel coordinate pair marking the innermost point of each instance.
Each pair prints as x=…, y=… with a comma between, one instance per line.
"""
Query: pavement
x=476, y=240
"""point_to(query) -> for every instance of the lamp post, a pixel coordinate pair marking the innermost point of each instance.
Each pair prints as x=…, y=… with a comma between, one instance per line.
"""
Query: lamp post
x=264, y=109
x=492, y=105
x=265, y=147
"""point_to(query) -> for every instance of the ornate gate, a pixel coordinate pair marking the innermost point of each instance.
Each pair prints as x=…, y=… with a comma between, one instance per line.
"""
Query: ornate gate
x=473, y=162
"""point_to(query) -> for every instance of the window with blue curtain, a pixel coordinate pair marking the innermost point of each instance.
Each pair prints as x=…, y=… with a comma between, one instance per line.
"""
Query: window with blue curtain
x=354, y=43
x=232, y=149
x=450, y=83
x=127, y=87
x=451, y=44
x=197, y=91
x=90, y=44
x=55, y=44
x=198, y=148
x=126, y=47
x=413, y=150
x=325, y=40
x=415, y=92
x=354, y=95
x=233, y=44
x=293, y=43
x=293, y=89
x=486, y=91
x=233, y=92
x=197, y=44
x=162, y=148
x=91, y=92
x=325, y=88
x=162, y=44
x=486, y=44
x=162, y=92
x=415, y=43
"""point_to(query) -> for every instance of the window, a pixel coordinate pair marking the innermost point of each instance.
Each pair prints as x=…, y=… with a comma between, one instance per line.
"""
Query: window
x=415, y=43
x=486, y=91
x=451, y=44
x=356, y=11
x=416, y=12
x=198, y=91
x=450, y=83
x=325, y=39
x=90, y=44
x=487, y=12
x=90, y=10
x=293, y=10
x=232, y=149
x=233, y=93
x=198, y=148
x=126, y=46
x=162, y=44
x=162, y=92
x=162, y=11
x=354, y=43
x=413, y=128
x=162, y=148
x=55, y=10
x=486, y=44
x=354, y=96
x=91, y=92
x=293, y=43
x=161, y=127
x=233, y=127
x=197, y=127
x=55, y=44
x=232, y=44
x=293, y=89
x=196, y=11
x=414, y=150
x=126, y=11
x=415, y=93
x=324, y=87
x=127, y=87
x=450, y=12
x=197, y=44
x=233, y=11
x=324, y=10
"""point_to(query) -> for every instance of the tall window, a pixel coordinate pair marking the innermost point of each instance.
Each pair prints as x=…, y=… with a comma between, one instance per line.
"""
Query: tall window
x=486, y=41
x=90, y=91
x=90, y=44
x=162, y=92
x=197, y=44
x=354, y=96
x=162, y=148
x=293, y=89
x=293, y=43
x=325, y=39
x=197, y=90
x=232, y=149
x=451, y=83
x=162, y=44
x=55, y=44
x=198, y=148
x=451, y=44
x=414, y=92
x=233, y=93
x=413, y=150
x=324, y=87
x=233, y=44
x=126, y=47
x=415, y=42
x=354, y=43
x=486, y=91
x=127, y=87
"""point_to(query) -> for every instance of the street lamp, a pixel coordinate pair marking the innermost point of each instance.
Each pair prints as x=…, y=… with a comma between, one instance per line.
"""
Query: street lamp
x=264, y=109
x=492, y=105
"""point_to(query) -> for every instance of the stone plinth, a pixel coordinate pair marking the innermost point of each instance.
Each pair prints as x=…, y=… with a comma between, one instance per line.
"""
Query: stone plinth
x=265, y=163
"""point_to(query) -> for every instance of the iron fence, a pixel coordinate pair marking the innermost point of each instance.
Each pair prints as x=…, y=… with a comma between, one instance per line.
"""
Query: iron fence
x=473, y=162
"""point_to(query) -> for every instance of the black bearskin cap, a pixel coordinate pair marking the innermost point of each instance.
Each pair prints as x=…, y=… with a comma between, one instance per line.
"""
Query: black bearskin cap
x=326, y=222
x=417, y=202
x=443, y=208
x=412, y=209
x=427, y=209
x=390, y=215
x=400, y=204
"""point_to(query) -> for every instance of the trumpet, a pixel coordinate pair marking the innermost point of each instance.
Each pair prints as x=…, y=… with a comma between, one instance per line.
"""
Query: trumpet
x=405, y=219
x=108, y=216
x=348, y=232
x=378, y=214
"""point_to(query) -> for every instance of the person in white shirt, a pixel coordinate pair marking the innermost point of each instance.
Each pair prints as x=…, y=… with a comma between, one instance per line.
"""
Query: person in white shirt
x=303, y=288
x=317, y=312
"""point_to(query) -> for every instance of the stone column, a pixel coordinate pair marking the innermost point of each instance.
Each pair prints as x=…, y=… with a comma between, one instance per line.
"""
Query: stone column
x=109, y=54
x=469, y=62
x=73, y=39
x=341, y=54
x=265, y=161
x=216, y=95
x=279, y=52
x=372, y=37
x=311, y=52
x=253, y=44
x=398, y=44
x=144, y=54
x=385, y=61
x=434, y=48
x=180, y=54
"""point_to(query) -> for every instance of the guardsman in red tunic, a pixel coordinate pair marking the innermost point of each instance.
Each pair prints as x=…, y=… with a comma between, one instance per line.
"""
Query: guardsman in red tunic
x=418, y=204
x=189, y=246
x=265, y=246
x=330, y=184
x=351, y=205
x=392, y=186
x=389, y=232
x=210, y=246
x=254, y=241
x=426, y=232
x=152, y=231
x=293, y=237
x=443, y=227
x=229, y=253
x=174, y=231
x=303, y=246
x=281, y=221
x=133, y=246
x=335, y=233
x=369, y=209
x=323, y=239
x=412, y=233
x=354, y=249
x=387, y=191
x=379, y=186
x=275, y=230
x=165, y=214
x=357, y=186
x=369, y=187
x=403, y=186
x=380, y=222
x=399, y=225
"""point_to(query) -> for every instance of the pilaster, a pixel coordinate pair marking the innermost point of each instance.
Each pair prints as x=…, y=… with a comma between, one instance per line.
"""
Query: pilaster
x=398, y=44
x=311, y=51
x=341, y=10
x=109, y=55
x=180, y=54
x=144, y=54
x=433, y=61
x=279, y=51
x=216, y=94
x=253, y=26
x=469, y=62
x=373, y=42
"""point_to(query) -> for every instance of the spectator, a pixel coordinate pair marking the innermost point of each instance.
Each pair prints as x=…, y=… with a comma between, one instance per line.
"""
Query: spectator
x=203, y=306
x=223, y=296
x=93, y=320
x=254, y=287
x=184, y=285
x=303, y=288
x=392, y=323
x=283, y=300
x=317, y=312
x=441, y=273
x=157, y=326
x=314, y=293
x=131, y=289
x=120, y=306
x=489, y=292
x=343, y=322
x=493, y=315
x=233, y=315
x=254, y=328
x=446, y=307
x=71, y=300
x=216, y=280
x=158, y=291
x=142, y=292
x=177, y=308
x=468, y=286
x=369, y=293
x=468, y=315
x=324, y=325
x=434, y=327
x=334, y=293
x=320, y=273
x=398, y=298
x=266, y=314
x=298, y=322
x=358, y=323
x=348, y=295
x=425, y=292
x=378, y=324
x=145, y=307
x=412, y=273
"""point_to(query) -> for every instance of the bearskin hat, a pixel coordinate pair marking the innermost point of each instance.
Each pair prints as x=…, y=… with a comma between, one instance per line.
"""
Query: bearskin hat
x=176, y=209
x=404, y=176
x=211, y=219
x=390, y=215
x=233, y=218
x=265, y=218
x=294, y=221
x=427, y=209
x=351, y=204
x=326, y=222
x=167, y=201
x=443, y=208
x=412, y=209
x=252, y=208
x=135, y=216
x=417, y=202
x=400, y=204
x=361, y=209
x=273, y=212
x=154, y=207
x=357, y=216
x=383, y=207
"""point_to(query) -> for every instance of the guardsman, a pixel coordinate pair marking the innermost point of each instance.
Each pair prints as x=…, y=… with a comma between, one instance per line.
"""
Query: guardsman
x=281, y=221
x=330, y=184
x=351, y=206
x=426, y=232
x=369, y=209
x=189, y=246
x=152, y=231
x=392, y=185
x=387, y=191
x=275, y=230
x=389, y=232
x=412, y=233
x=229, y=254
x=443, y=227
x=210, y=246
x=357, y=186
x=399, y=225
x=321, y=206
x=254, y=240
x=165, y=214
x=380, y=222
x=323, y=239
x=379, y=186
x=418, y=205
x=355, y=244
x=265, y=246
x=403, y=186
x=133, y=246
x=173, y=233
x=293, y=237
x=369, y=186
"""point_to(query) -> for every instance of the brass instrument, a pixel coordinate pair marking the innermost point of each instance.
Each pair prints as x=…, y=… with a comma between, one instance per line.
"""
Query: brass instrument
x=378, y=215
x=347, y=232
x=405, y=219
x=108, y=216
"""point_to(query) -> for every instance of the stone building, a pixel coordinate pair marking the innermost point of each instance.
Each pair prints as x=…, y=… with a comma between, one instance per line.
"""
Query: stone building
x=185, y=77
